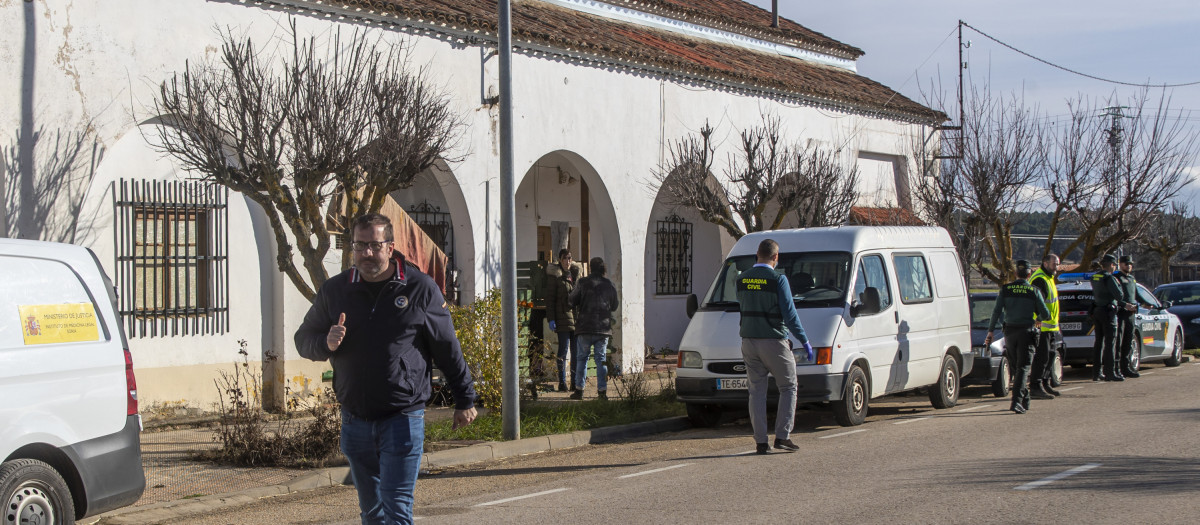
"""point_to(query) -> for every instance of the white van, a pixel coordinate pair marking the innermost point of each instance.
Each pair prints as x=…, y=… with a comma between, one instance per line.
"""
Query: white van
x=68, y=399
x=884, y=307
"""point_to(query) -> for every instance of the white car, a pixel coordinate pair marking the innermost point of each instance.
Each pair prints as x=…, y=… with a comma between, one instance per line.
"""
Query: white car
x=69, y=439
x=1158, y=334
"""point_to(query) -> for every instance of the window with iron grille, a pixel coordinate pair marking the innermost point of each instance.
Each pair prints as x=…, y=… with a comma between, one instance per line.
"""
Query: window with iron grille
x=172, y=270
x=673, y=258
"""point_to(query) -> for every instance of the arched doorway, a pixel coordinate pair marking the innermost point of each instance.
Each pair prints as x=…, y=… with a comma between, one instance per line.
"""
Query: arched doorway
x=435, y=201
x=683, y=254
x=562, y=202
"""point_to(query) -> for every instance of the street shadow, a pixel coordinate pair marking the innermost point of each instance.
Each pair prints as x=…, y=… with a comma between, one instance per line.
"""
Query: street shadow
x=1133, y=475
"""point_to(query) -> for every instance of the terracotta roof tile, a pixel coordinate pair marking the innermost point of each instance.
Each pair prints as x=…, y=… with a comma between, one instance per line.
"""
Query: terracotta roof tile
x=867, y=216
x=572, y=31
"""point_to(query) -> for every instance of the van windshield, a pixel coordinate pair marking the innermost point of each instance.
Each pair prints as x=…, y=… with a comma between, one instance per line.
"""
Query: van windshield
x=817, y=279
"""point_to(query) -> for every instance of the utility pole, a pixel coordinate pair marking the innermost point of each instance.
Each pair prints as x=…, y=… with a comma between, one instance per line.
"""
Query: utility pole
x=774, y=13
x=1116, y=136
x=511, y=387
x=962, y=66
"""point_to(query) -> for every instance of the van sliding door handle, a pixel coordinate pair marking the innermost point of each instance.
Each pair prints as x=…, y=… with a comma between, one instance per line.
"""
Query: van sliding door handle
x=897, y=317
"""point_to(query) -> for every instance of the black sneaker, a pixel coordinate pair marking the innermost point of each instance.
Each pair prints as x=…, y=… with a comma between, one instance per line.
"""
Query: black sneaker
x=1114, y=378
x=562, y=387
x=761, y=448
x=1131, y=373
x=1050, y=390
x=602, y=395
x=578, y=394
x=1017, y=408
x=786, y=444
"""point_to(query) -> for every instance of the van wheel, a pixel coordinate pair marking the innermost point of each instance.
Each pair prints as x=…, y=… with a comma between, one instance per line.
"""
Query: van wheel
x=945, y=393
x=1176, y=350
x=1000, y=386
x=33, y=492
x=704, y=416
x=851, y=409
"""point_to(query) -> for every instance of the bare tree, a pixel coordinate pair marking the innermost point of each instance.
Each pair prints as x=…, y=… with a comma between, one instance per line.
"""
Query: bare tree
x=291, y=130
x=1168, y=234
x=767, y=179
x=984, y=183
x=1117, y=179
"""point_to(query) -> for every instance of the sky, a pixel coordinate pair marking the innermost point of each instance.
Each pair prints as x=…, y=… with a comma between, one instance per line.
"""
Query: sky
x=910, y=44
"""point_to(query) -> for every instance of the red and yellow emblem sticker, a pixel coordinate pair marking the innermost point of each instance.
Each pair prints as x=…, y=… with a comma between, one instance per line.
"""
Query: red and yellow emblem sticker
x=1147, y=340
x=58, y=323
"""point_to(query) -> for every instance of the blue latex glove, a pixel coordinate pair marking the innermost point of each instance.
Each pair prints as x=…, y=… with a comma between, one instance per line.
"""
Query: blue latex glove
x=809, y=350
x=552, y=328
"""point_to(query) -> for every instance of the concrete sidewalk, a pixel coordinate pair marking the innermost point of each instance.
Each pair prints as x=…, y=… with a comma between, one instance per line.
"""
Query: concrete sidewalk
x=178, y=486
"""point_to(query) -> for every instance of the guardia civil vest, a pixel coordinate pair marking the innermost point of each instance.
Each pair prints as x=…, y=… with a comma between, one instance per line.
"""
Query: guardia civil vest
x=1051, y=299
x=758, y=294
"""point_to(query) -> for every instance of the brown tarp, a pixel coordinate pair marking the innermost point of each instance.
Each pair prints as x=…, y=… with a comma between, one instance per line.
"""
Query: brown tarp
x=410, y=240
x=415, y=245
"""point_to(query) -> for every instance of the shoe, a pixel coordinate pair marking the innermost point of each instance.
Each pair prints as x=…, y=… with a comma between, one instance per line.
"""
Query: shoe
x=1114, y=378
x=1038, y=393
x=786, y=444
x=562, y=387
x=1119, y=376
x=1131, y=373
x=1097, y=378
x=761, y=449
x=1017, y=408
x=578, y=394
x=602, y=395
x=1050, y=390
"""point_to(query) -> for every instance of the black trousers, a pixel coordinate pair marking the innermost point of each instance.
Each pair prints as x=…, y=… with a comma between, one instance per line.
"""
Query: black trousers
x=1043, y=358
x=1020, y=343
x=1106, y=335
x=1125, y=343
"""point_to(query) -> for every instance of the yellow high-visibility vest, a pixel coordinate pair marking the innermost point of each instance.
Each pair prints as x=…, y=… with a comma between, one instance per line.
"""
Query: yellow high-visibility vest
x=1050, y=325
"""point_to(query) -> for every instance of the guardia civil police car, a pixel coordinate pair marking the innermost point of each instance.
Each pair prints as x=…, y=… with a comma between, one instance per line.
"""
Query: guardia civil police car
x=1158, y=334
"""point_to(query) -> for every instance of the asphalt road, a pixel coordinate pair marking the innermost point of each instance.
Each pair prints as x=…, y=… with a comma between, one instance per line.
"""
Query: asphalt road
x=1103, y=453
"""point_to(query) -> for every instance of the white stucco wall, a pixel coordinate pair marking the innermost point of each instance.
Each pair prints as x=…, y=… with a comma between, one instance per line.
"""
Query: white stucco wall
x=101, y=62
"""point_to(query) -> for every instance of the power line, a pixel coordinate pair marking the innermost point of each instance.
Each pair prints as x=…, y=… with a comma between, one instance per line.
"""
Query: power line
x=1072, y=71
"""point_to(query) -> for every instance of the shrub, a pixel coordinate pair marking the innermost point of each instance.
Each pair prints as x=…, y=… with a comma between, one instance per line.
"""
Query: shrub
x=250, y=438
x=479, y=329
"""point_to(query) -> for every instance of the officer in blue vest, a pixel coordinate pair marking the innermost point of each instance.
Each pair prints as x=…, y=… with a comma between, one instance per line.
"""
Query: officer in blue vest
x=767, y=314
x=1022, y=308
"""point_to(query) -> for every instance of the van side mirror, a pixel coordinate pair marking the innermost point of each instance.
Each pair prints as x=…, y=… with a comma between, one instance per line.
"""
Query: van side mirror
x=693, y=304
x=870, y=304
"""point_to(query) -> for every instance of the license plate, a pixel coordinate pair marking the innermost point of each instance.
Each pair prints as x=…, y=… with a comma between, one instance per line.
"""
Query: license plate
x=1071, y=326
x=733, y=384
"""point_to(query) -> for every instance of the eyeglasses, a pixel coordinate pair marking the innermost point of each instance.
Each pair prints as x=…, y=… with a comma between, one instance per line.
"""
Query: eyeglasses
x=375, y=246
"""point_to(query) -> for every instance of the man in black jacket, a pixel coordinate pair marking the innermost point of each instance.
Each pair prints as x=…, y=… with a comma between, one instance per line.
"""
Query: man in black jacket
x=595, y=299
x=379, y=324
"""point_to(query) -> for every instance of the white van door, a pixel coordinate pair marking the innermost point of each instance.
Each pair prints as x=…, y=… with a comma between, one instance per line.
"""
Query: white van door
x=918, y=326
x=875, y=334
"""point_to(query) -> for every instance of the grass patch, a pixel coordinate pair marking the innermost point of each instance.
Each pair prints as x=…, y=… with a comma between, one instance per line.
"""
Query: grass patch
x=540, y=419
x=1192, y=351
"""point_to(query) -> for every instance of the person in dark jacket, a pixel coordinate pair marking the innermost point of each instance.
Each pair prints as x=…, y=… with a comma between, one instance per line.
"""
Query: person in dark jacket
x=1126, y=314
x=1022, y=309
x=380, y=324
x=1107, y=298
x=560, y=280
x=595, y=299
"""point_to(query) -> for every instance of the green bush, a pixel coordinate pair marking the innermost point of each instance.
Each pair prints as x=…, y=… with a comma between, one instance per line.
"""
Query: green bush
x=479, y=329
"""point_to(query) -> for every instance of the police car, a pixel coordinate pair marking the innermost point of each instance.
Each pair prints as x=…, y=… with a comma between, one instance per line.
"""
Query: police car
x=1158, y=334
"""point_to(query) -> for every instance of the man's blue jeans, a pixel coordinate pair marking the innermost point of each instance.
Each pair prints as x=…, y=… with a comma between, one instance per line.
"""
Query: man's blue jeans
x=385, y=456
x=588, y=342
x=566, y=343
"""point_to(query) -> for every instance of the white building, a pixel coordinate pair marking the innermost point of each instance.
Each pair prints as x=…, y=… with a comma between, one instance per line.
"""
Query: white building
x=600, y=88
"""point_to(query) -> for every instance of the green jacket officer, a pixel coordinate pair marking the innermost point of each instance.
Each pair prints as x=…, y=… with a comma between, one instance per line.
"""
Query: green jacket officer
x=1022, y=308
x=1125, y=318
x=1108, y=298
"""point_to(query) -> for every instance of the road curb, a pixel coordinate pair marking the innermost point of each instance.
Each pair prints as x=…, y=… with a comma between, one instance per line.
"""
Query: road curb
x=334, y=476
